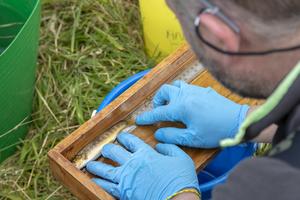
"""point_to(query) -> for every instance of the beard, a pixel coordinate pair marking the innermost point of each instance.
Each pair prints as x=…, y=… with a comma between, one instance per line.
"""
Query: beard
x=244, y=83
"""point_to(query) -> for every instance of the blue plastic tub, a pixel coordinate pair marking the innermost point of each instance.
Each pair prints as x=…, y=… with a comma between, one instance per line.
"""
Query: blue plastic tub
x=217, y=171
x=122, y=87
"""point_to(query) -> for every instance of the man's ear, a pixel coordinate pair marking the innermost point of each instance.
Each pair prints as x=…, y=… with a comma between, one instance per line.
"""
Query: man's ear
x=219, y=33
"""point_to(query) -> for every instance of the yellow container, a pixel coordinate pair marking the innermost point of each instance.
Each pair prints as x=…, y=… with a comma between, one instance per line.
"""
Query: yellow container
x=162, y=32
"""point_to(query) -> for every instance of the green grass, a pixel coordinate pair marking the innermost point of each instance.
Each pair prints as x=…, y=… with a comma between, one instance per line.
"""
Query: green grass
x=86, y=48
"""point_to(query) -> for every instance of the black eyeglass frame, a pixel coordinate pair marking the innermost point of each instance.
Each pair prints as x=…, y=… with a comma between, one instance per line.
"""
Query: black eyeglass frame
x=214, y=10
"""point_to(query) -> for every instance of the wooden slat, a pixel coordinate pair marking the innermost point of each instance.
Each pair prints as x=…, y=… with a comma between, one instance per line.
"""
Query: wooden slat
x=75, y=180
x=60, y=157
x=126, y=103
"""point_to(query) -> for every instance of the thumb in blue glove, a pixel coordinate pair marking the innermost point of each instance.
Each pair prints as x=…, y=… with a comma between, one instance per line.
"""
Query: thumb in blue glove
x=143, y=172
x=208, y=116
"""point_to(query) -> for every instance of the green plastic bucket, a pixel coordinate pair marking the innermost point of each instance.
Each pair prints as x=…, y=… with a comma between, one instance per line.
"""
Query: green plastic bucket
x=19, y=33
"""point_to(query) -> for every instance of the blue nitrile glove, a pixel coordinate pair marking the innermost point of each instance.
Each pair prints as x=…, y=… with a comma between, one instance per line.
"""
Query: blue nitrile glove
x=208, y=116
x=143, y=172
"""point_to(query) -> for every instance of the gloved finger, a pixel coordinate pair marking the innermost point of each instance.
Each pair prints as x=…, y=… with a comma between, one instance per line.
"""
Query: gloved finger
x=109, y=187
x=156, y=115
x=170, y=150
x=179, y=83
x=103, y=170
x=164, y=95
x=174, y=136
x=116, y=153
x=131, y=142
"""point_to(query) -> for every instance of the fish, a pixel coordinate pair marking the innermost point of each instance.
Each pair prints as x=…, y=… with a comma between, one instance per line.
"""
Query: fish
x=93, y=150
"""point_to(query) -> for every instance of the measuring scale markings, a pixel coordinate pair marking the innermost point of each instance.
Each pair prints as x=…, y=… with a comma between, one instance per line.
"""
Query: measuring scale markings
x=93, y=150
x=187, y=75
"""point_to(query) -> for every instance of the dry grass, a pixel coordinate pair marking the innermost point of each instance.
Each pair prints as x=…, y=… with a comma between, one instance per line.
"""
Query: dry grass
x=86, y=48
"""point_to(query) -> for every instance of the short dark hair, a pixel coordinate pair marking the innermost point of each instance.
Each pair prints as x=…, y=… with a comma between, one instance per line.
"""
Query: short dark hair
x=271, y=9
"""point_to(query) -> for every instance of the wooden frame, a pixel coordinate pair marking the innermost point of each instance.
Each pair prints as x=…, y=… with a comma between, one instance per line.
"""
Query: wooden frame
x=78, y=182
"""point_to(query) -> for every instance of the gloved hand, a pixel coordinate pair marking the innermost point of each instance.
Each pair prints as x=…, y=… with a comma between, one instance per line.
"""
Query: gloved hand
x=208, y=116
x=143, y=172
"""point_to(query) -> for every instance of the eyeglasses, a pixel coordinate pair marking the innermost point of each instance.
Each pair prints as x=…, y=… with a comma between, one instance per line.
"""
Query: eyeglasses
x=214, y=10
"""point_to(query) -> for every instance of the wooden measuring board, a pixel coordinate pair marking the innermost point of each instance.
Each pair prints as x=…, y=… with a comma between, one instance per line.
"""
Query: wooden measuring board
x=180, y=65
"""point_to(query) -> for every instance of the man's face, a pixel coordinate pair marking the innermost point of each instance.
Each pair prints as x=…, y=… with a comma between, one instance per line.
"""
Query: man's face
x=246, y=76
